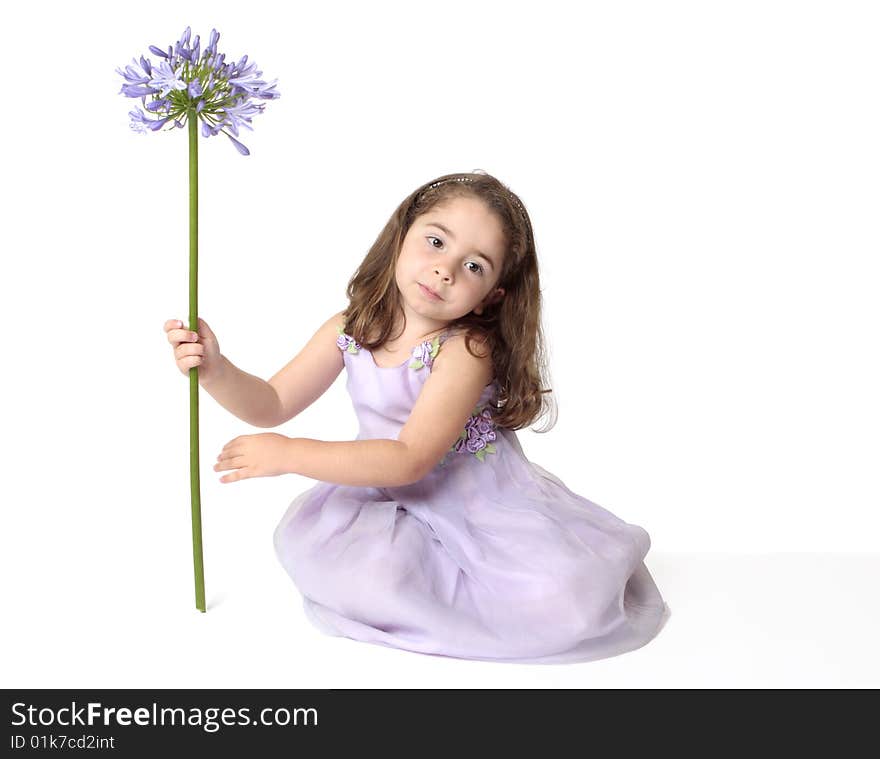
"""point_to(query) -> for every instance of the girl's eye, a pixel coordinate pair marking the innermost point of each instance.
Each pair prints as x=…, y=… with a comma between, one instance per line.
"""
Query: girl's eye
x=431, y=238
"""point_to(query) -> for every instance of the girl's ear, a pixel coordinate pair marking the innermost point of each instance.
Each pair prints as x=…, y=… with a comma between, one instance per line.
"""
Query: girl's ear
x=490, y=300
x=495, y=297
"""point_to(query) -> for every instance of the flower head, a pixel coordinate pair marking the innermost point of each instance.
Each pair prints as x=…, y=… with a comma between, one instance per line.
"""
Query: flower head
x=190, y=83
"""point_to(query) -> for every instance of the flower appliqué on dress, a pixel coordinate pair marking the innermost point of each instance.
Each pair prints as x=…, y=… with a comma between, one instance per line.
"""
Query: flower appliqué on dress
x=424, y=354
x=346, y=343
x=477, y=437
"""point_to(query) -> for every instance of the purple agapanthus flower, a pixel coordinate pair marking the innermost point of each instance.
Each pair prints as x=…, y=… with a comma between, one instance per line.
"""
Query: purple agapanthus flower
x=186, y=80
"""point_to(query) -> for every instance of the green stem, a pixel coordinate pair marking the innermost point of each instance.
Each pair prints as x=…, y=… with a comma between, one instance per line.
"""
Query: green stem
x=198, y=562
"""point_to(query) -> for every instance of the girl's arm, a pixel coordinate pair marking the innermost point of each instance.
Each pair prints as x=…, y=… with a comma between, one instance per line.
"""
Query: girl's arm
x=368, y=463
x=444, y=405
x=310, y=373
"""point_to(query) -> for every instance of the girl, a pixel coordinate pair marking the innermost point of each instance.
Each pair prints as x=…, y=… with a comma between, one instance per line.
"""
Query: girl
x=432, y=531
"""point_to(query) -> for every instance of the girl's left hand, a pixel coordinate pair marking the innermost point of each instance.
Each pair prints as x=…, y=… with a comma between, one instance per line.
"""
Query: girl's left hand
x=264, y=455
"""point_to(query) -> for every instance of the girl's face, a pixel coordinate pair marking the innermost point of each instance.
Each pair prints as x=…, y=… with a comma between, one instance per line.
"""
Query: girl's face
x=455, y=250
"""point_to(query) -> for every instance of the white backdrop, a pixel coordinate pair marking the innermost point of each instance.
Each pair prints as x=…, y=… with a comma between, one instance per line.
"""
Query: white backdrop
x=703, y=184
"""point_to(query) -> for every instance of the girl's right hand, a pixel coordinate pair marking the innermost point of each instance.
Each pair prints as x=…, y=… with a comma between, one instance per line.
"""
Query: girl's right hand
x=191, y=349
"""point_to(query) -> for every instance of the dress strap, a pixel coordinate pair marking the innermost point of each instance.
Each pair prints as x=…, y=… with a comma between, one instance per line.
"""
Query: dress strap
x=345, y=342
x=426, y=351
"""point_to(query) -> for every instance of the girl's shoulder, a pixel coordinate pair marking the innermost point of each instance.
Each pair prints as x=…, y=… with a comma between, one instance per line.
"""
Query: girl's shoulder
x=476, y=338
x=470, y=348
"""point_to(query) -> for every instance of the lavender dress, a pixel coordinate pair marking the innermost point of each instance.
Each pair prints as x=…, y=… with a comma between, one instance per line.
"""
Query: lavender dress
x=487, y=557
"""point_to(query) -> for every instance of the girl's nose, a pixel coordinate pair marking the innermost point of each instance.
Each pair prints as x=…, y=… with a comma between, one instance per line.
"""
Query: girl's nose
x=442, y=273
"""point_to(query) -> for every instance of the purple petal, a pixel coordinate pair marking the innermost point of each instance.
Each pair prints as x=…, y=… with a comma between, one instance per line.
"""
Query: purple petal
x=244, y=109
x=133, y=75
x=209, y=130
x=238, y=146
x=137, y=119
x=475, y=444
x=167, y=79
x=156, y=51
x=267, y=93
x=137, y=90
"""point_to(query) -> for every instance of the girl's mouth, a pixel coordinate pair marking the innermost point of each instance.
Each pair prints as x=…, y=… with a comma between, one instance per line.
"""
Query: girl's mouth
x=430, y=293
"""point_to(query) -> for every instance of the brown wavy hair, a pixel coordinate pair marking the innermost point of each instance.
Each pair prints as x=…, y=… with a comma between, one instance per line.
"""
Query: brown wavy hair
x=511, y=328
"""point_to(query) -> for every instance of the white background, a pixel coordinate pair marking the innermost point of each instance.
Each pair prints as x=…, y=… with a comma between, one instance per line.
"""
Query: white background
x=702, y=179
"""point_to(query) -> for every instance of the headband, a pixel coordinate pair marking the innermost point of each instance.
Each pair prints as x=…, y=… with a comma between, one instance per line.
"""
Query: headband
x=509, y=195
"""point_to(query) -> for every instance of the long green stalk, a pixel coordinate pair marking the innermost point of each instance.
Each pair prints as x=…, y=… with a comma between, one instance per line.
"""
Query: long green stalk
x=198, y=562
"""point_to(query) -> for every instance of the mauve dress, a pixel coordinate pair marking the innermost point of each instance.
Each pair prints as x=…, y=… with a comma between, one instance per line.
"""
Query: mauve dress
x=487, y=557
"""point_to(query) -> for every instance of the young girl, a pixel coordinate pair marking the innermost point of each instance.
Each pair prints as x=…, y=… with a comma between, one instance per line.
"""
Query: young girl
x=432, y=531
